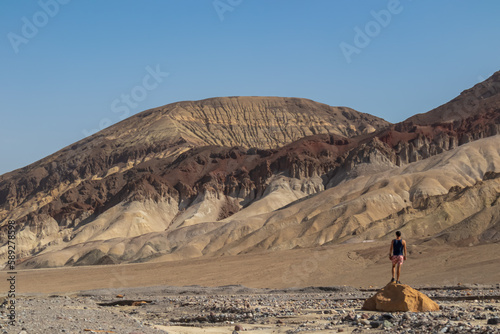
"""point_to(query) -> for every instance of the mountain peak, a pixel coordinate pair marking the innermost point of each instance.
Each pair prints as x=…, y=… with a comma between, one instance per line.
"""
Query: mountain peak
x=483, y=97
x=248, y=121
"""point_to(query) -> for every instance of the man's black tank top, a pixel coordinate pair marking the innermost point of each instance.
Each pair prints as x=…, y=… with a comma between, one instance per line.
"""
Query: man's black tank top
x=397, y=247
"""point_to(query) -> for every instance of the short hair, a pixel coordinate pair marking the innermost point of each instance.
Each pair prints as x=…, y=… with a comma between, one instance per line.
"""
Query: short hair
x=398, y=233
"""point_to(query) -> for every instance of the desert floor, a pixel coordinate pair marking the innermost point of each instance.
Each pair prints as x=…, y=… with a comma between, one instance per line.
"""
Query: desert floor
x=229, y=309
x=356, y=265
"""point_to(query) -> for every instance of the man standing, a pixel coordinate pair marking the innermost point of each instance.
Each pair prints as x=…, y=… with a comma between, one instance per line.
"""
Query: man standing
x=397, y=254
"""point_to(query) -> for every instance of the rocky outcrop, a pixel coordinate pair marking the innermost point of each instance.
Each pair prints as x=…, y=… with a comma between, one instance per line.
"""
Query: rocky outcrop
x=412, y=142
x=399, y=298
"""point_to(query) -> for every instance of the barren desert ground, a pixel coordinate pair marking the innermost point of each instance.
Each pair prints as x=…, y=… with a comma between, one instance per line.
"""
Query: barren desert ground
x=311, y=290
x=356, y=265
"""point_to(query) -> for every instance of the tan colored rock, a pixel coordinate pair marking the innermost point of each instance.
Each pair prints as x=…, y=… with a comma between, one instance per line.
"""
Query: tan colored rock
x=400, y=298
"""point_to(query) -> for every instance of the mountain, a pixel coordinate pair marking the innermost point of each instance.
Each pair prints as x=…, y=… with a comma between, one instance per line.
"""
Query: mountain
x=172, y=153
x=452, y=197
x=230, y=176
x=483, y=97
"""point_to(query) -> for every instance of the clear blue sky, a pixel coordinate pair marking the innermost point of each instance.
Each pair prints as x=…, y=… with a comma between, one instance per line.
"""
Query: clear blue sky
x=59, y=80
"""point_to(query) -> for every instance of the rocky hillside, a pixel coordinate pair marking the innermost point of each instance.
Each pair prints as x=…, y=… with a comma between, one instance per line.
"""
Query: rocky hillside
x=483, y=97
x=167, y=132
x=450, y=197
x=237, y=175
x=168, y=153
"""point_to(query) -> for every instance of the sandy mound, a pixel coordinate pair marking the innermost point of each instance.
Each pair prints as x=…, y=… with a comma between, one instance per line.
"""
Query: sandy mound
x=400, y=298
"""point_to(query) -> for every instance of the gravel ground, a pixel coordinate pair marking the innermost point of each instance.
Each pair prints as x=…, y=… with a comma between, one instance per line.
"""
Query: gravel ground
x=464, y=309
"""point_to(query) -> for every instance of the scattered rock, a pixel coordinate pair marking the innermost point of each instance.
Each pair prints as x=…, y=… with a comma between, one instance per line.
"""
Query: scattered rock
x=364, y=322
x=293, y=313
x=387, y=316
x=349, y=317
x=387, y=324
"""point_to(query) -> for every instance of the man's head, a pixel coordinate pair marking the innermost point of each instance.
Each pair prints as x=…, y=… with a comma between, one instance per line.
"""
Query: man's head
x=398, y=234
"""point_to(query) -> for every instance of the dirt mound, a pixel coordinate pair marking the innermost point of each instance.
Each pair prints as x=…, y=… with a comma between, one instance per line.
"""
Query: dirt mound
x=399, y=298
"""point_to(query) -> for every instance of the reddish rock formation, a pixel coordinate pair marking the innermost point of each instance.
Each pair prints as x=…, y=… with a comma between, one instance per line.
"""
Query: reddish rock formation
x=230, y=148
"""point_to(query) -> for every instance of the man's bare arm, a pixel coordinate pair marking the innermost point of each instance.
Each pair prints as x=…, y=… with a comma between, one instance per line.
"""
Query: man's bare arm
x=390, y=250
x=404, y=245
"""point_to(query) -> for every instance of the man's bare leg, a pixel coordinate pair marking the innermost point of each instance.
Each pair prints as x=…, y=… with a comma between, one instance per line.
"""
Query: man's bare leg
x=399, y=271
x=393, y=270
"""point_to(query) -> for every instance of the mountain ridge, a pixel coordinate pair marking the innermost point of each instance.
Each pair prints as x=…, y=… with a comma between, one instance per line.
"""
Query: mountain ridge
x=180, y=178
x=483, y=96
